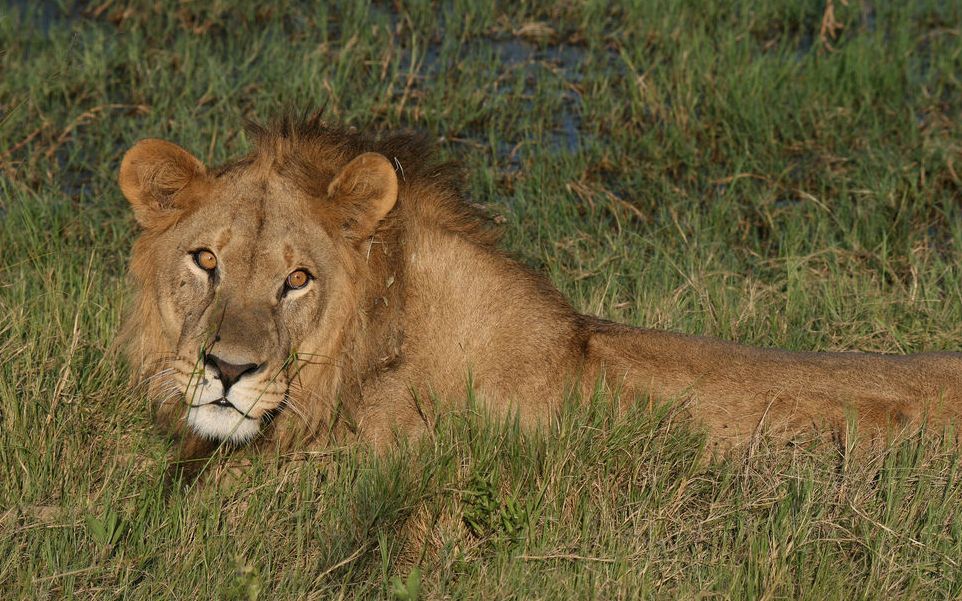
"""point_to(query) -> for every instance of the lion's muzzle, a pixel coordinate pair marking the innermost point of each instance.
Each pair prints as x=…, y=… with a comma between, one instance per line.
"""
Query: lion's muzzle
x=228, y=399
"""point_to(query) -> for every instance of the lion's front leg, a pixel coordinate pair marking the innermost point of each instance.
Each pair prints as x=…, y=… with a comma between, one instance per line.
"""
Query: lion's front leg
x=391, y=411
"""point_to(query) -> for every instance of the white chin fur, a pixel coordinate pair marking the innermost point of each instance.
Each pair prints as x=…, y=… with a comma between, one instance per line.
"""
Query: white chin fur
x=222, y=423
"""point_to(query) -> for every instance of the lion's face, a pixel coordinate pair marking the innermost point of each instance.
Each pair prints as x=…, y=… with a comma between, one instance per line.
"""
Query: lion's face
x=238, y=289
x=245, y=267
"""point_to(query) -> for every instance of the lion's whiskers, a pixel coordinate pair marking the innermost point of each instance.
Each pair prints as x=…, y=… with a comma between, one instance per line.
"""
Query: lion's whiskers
x=306, y=395
x=171, y=395
x=295, y=409
x=161, y=374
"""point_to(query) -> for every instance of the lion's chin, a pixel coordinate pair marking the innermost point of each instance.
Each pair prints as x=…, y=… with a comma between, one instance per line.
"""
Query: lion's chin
x=222, y=423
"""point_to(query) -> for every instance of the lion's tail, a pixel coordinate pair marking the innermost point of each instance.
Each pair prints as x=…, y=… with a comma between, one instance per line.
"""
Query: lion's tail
x=737, y=390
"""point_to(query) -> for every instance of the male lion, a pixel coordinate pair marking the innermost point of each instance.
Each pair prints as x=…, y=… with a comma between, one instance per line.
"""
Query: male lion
x=333, y=285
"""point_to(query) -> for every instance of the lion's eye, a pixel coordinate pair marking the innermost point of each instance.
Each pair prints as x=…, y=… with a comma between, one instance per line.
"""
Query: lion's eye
x=297, y=279
x=205, y=259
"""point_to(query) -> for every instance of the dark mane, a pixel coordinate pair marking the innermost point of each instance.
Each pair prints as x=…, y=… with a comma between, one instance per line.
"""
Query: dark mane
x=309, y=152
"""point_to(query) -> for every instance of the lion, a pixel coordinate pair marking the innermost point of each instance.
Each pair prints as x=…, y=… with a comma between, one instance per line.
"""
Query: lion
x=333, y=287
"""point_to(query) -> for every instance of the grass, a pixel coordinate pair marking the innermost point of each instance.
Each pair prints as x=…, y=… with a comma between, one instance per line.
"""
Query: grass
x=732, y=169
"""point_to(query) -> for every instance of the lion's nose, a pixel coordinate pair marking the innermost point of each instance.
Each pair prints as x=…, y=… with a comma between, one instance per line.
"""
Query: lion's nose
x=229, y=373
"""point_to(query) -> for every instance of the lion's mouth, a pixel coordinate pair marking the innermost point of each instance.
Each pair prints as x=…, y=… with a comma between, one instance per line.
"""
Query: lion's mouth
x=223, y=403
x=237, y=417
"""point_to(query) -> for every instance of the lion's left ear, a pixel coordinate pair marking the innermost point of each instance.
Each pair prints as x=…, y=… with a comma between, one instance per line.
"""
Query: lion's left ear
x=363, y=192
x=157, y=177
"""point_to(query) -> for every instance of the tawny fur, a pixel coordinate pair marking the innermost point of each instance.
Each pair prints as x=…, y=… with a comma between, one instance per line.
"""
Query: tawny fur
x=418, y=304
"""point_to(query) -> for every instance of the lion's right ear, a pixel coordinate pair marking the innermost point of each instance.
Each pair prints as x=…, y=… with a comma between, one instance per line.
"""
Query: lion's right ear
x=156, y=176
x=363, y=191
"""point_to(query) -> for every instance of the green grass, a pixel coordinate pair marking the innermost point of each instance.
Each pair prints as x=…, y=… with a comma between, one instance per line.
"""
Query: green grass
x=721, y=171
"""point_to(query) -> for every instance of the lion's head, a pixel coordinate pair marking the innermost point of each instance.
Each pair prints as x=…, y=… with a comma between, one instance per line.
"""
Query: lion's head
x=246, y=274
